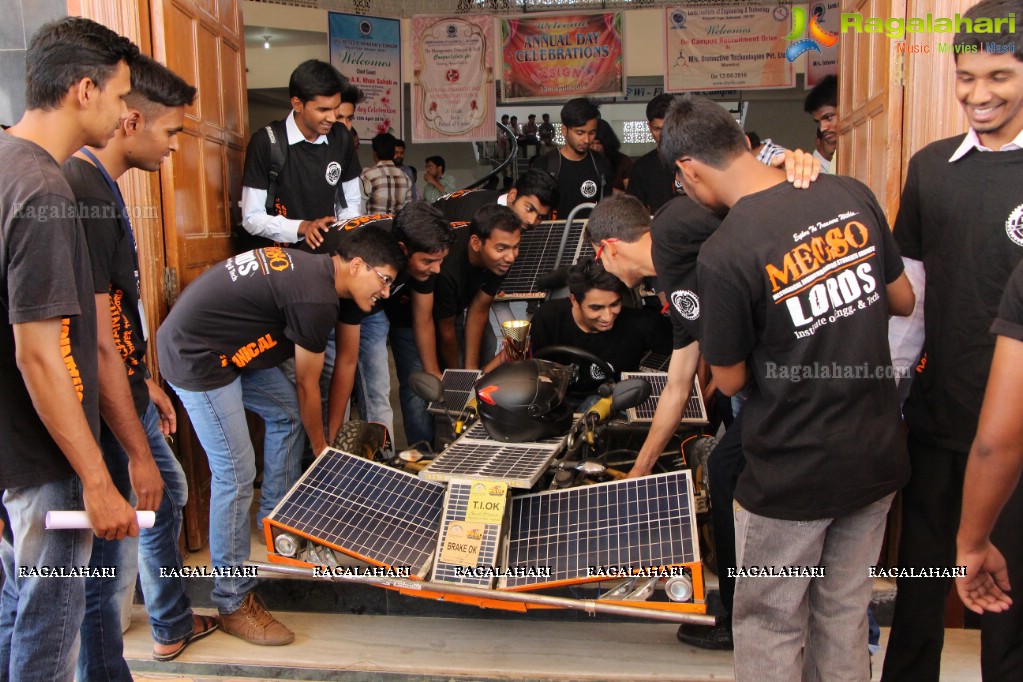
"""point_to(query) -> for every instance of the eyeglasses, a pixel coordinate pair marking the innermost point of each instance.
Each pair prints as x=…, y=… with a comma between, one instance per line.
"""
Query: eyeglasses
x=603, y=243
x=386, y=280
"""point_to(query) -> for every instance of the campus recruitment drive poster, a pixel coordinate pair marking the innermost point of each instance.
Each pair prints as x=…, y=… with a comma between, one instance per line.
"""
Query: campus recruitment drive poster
x=367, y=50
x=453, y=88
x=562, y=56
x=727, y=47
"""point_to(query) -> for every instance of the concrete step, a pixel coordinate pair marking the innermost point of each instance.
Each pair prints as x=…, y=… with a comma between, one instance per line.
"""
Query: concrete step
x=353, y=648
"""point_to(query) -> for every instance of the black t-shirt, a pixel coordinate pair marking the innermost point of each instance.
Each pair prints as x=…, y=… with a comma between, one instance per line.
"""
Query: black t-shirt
x=44, y=275
x=964, y=220
x=458, y=281
x=635, y=332
x=248, y=312
x=651, y=181
x=333, y=237
x=678, y=231
x=793, y=283
x=113, y=269
x=1009, y=322
x=311, y=176
x=461, y=206
x=398, y=305
x=579, y=182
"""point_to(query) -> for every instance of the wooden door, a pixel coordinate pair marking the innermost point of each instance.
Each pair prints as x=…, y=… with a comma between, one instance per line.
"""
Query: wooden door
x=201, y=40
x=870, y=105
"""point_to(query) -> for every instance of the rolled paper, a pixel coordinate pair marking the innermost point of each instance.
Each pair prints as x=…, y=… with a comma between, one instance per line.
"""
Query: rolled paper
x=76, y=520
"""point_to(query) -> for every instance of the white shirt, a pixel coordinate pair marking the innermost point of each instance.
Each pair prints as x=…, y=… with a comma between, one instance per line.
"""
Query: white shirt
x=972, y=141
x=285, y=230
x=824, y=161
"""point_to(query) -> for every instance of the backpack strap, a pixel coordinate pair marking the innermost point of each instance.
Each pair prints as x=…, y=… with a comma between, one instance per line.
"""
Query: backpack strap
x=278, y=134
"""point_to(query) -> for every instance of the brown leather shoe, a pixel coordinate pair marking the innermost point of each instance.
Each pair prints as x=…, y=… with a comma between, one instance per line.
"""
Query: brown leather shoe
x=253, y=623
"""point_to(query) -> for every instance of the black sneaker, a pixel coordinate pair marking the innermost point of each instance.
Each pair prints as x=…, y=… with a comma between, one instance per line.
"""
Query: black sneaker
x=717, y=637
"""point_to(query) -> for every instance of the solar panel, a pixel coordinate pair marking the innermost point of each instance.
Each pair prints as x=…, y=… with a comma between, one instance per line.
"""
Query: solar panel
x=538, y=255
x=654, y=362
x=518, y=464
x=456, y=511
x=567, y=536
x=365, y=509
x=694, y=413
x=457, y=391
x=479, y=432
x=577, y=248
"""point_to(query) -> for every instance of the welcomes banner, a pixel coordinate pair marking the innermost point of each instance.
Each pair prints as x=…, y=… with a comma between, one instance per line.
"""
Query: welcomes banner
x=367, y=50
x=727, y=48
x=453, y=88
x=563, y=56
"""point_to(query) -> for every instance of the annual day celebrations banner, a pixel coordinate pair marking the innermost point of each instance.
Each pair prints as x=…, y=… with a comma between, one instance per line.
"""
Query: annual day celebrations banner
x=453, y=88
x=367, y=50
x=562, y=56
x=727, y=48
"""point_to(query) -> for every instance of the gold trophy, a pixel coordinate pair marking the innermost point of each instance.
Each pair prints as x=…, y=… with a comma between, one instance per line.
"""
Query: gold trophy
x=516, y=339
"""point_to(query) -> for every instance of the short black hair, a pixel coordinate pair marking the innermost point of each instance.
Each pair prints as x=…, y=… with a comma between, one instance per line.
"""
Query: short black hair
x=754, y=139
x=351, y=94
x=493, y=217
x=578, y=111
x=383, y=146
x=437, y=161
x=373, y=244
x=824, y=94
x=619, y=216
x=63, y=52
x=154, y=83
x=399, y=143
x=658, y=106
x=314, y=78
x=701, y=129
x=421, y=227
x=993, y=9
x=588, y=275
x=540, y=184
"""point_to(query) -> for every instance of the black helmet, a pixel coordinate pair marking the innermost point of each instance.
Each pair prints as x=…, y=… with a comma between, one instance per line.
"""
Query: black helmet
x=524, y=401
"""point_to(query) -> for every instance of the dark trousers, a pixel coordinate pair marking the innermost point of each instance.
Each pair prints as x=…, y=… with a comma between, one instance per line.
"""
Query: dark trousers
x=931, y=503
x=1001, y=634
x=724, y=466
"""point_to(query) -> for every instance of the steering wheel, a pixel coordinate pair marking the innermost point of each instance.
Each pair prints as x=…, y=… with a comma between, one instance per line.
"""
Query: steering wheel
x=573, y=355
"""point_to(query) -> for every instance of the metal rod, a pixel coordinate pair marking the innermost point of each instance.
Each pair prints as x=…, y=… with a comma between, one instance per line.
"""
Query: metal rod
x=568, y=224
x=590, y=606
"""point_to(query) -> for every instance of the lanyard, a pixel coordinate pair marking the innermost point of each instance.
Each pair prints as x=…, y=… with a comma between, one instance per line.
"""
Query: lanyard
x=131, y=235
x=124, y=214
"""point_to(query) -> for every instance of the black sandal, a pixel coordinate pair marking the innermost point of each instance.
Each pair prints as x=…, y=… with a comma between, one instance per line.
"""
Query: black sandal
x=207, y=626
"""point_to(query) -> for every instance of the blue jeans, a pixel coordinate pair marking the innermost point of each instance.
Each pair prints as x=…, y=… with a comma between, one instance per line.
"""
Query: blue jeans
x=218, y=417
x=40, y=618
x=373, y=381
x=418, y=422
x=169, y=609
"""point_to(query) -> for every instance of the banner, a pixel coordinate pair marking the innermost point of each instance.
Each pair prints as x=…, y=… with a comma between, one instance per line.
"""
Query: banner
x=824, y=61
x=563, y=56
x=367, y=50
x=453, y=87
x=727, y=48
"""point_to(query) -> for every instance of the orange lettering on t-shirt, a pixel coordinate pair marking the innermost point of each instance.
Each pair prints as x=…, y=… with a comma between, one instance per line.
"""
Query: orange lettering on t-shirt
x=250, y=351
x=805, y=259
x=69, y=358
